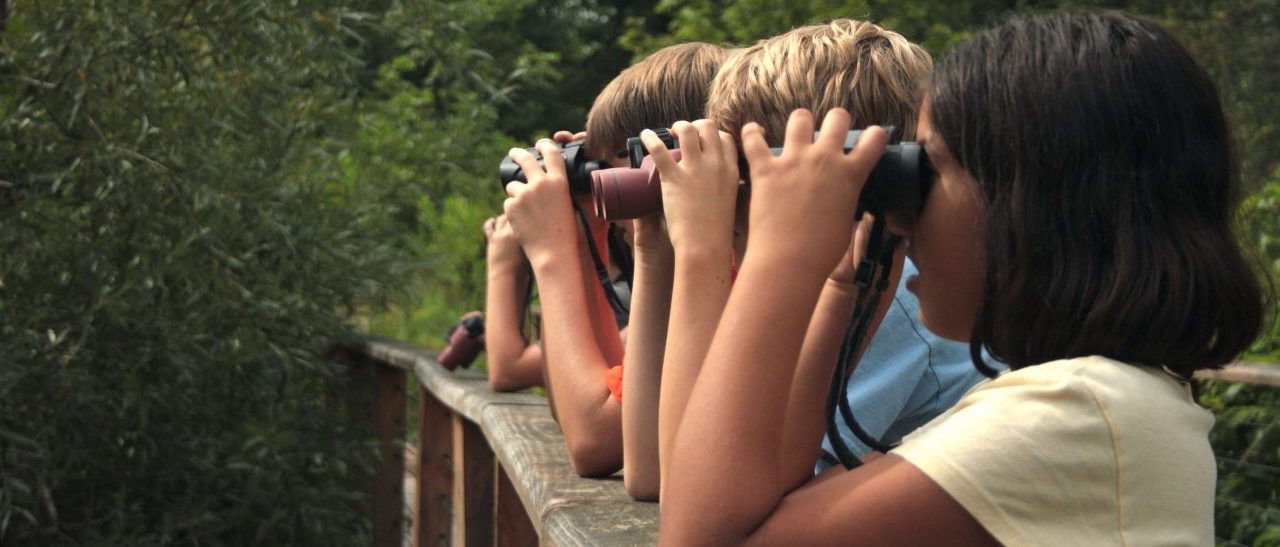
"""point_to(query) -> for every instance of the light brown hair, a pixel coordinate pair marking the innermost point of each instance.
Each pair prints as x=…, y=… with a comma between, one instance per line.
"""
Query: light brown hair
x=872, y=72
x=667, y=86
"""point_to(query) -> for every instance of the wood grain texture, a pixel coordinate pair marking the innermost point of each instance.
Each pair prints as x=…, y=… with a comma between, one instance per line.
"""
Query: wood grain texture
x=432, y=524
x=1245, y=373
x=536, y=496
x=473, y=487
x=511, y=527
x=557, y=506
x=388, y=480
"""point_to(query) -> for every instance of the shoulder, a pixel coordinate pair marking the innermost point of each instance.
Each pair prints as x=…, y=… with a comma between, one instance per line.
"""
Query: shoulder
x=1071, y=437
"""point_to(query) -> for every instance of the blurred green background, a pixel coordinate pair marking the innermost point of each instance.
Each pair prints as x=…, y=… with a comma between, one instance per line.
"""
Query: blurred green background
x=197, y=198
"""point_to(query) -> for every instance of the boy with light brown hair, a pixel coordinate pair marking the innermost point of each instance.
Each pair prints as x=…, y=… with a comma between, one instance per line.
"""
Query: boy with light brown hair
x=581, y=342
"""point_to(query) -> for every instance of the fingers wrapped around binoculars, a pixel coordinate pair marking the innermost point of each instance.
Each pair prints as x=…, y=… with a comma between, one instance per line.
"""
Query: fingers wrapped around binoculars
x=658, y=151
x=564, y=137
x=728, y=149
x=871, y=145
x=754, y=147
x=799, y=131
x=551, y=158
x=835, y=127
x=515, y=188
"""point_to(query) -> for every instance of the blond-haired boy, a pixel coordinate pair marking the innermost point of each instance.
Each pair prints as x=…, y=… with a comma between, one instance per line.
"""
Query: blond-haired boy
x=874, y=74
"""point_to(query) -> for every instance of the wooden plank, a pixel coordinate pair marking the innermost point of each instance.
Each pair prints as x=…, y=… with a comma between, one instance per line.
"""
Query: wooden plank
x=473, y=487
x=434, y=506
x=388, y=481
x=511, y=525
x=537, y=498
x=587, y=524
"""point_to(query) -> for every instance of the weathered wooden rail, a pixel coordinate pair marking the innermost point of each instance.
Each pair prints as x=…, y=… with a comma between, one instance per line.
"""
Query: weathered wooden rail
x=492, y=468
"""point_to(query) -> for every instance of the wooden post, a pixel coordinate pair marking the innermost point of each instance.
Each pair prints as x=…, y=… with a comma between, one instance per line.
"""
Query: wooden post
x=431, y=524
x=511, y=525
x=388, y=481
x=472, y=485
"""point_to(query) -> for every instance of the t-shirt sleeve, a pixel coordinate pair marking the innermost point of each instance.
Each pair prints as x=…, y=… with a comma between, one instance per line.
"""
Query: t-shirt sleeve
x=1031, y=458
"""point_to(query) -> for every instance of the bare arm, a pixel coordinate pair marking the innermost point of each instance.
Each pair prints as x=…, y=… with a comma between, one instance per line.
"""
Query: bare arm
x=699, y=195
x=542, y=216
x=642, y=377
x=514, y=364
x=806, y=407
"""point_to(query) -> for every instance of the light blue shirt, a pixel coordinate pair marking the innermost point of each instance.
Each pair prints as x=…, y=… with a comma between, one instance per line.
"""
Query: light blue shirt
x=907, y=376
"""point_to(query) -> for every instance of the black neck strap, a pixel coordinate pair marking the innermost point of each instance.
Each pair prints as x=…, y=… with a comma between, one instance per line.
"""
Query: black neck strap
x=602, y=271
x=872, y=275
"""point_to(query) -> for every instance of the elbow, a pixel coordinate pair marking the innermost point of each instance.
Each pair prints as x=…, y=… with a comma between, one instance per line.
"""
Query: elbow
x=593, y=458
x=499, y=381
x=640, y=486
x=504, y=374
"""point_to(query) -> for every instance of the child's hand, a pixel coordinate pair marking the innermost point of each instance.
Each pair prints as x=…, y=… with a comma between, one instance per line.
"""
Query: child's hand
x=804, y=200
x=652, y=245
x=504, y=248
x=699, y=192
x=563, y=136
x=540, y=210
x=847, y=268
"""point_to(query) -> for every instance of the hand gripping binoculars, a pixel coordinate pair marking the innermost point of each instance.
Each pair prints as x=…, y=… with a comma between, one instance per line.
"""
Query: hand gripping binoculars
x=899, y=182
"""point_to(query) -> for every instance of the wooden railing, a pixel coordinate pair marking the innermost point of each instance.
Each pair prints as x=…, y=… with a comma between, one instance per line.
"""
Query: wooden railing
x=492, y=468
x=1245, y=373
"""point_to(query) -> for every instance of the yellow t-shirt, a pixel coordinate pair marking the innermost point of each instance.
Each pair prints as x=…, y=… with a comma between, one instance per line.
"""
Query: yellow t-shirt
x=1084, y=451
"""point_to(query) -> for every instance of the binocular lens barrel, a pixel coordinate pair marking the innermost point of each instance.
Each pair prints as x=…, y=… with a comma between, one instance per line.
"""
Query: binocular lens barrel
x=625, y=193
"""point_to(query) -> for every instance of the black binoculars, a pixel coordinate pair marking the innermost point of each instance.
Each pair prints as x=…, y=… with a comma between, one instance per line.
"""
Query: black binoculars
x=899, y=182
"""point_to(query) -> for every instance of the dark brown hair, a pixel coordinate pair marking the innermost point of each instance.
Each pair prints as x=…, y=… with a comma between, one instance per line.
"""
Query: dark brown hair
x=668, y=86
x=1111, y=187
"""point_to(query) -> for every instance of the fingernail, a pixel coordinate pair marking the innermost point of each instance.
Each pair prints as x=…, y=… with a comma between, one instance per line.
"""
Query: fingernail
x=647, y=133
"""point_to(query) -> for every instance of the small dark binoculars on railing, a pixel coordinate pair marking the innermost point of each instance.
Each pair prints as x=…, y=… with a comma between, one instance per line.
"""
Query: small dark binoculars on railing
x=464, y=343
x=899, y=182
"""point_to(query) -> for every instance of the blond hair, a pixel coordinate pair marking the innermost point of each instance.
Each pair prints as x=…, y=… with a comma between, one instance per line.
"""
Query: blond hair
x=668, y=86
x=872, y=72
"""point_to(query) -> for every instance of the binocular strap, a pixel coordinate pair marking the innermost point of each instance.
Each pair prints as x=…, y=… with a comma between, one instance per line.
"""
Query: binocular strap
x=602, y=272
x=877, y=266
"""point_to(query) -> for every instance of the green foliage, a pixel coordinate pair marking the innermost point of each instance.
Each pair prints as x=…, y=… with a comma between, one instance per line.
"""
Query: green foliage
x=189, y=218
x=1246, y=441
x=196, y=197
x=1260, y=222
